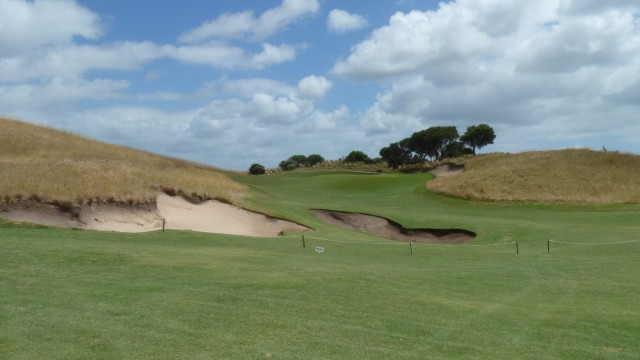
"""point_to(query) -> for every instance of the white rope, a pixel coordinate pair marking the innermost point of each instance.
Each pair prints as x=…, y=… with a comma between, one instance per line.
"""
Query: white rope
x=466, y=245
x=596, y=244
x=397, y=243
x=343, y=241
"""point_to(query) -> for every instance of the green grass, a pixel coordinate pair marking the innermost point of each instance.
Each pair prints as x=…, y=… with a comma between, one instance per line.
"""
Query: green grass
x=77, y=294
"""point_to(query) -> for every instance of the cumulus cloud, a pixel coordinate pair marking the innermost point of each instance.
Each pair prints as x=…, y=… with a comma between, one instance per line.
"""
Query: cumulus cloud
x=224, y=56
x=76, y=60
x=26, y=25
x=560, y=67
x=246, y=24
x=314, y=87
x=59, y=93
x=340, y=21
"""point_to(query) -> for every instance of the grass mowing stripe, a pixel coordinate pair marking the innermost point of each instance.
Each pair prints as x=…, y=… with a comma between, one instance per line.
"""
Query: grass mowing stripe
x=80, y=294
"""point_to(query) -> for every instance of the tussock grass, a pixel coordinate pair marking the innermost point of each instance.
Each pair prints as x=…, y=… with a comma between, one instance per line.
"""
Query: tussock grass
x=547, y=176
x=46, y=165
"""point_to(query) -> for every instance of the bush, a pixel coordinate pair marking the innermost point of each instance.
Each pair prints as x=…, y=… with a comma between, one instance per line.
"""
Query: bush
x=289, y=164
x=256, y=169
x=358, y=156
x=314, y=159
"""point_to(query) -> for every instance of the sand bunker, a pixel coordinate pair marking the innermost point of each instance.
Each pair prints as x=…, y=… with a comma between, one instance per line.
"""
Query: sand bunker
x=391, y=230
x=447, y=170
x=179, y=214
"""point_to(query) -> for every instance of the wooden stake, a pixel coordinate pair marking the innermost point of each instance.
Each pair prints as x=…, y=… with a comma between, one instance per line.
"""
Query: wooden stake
x=163, y=222
x=411, y=247
x=548, y=246
x=303, y=244
x=517, y=249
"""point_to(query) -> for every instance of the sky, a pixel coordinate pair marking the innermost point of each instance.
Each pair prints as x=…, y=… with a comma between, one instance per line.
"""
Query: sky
x=231, y=83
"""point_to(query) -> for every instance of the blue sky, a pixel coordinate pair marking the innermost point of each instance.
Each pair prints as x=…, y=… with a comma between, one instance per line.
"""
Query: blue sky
x=230, y=83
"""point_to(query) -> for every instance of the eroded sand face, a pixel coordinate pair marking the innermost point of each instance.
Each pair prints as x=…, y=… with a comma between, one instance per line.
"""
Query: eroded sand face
x=217, y=217
x=393, y=231
x=179, y=214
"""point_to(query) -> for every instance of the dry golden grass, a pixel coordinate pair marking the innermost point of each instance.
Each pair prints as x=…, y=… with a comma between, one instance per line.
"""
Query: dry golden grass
x=51, y=166
x=548, y=176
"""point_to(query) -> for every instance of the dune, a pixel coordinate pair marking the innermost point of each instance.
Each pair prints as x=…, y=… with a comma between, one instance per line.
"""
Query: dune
x=174, y=211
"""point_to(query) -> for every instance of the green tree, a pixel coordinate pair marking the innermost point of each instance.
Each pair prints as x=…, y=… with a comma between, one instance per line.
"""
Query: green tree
x=288, y=165
x=300, y=159
x=433, y=142
x=357, y=156
x=256, y=169
x=396, y=154
x=314, y=159
x=478, y=136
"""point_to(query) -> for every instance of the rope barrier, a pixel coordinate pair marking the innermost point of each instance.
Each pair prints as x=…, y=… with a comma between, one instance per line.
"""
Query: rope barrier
x=397, y=243
x=596, y=244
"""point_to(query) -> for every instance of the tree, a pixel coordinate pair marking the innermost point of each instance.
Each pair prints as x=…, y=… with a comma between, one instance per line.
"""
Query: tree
x=396, y=154
x=357, y=156
x=314, y=159
x=256, y=169
x=433, y=142
x=300, y=159
x=456, y=149
x=478, y=136
x=288, y=165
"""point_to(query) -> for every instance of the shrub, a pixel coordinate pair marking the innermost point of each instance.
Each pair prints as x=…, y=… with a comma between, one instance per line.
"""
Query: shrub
x=314, y=159
x=357, y=156
x=256, y=169
x=289, y=164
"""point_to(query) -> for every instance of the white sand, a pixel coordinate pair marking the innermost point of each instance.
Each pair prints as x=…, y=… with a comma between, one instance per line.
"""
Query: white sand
x=217, y=217
x=447, y=170
x=179, y=214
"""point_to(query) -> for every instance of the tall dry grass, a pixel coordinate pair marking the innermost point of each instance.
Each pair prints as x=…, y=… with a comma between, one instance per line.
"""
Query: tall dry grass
x=51, y=166
x=548, y=176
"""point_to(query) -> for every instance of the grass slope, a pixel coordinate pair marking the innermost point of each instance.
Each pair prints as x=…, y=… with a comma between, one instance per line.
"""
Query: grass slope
x=52, y=166
x=77, y=294
x=550, y=176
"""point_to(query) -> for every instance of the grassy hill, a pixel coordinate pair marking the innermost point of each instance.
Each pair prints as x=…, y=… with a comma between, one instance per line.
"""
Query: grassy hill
x=51, y=166
x=547, y=176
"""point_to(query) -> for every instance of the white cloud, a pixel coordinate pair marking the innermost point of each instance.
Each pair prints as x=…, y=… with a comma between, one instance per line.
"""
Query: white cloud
x=314, y=87
x=246, y=88
x=76, y=60
x=411, y=42
x=27, y=25
x=226, y=26
x=272, y=54
x=59, y=92
x=245, y=24
x=340, y=21
x=567, y=69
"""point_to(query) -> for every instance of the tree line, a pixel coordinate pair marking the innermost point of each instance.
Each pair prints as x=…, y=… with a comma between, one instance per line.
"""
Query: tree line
x=436, y=143
x=433, y=143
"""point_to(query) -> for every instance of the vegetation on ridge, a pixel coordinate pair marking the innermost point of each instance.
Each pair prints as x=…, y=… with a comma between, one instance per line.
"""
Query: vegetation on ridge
x=548, y=176
x=47, y=165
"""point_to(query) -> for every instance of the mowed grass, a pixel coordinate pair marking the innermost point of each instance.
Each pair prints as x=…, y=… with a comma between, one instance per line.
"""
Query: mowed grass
x=42, y=164
x=80, y=294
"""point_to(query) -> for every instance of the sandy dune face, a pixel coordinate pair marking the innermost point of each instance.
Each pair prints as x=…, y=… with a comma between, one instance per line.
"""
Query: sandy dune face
x=217, y=217
x=177, y=213
x=447, y=170
x=391, y=230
